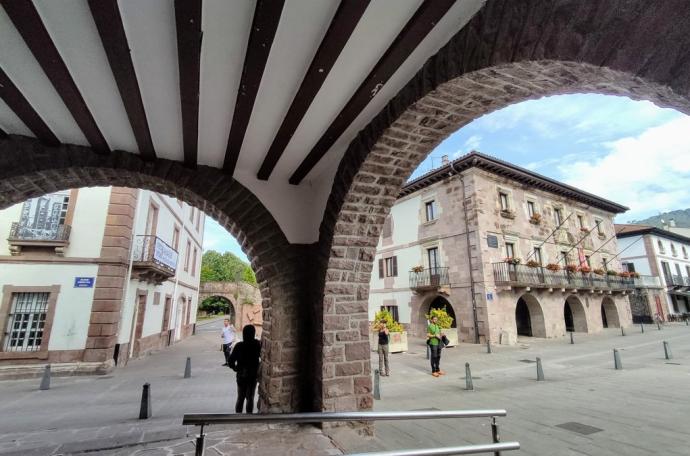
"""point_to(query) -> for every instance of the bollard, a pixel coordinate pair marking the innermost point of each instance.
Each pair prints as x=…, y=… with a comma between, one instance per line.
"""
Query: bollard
x=468, y=378
x=622, y=331
x=642, y=328
x=667, y=351
x=428, y=352
x=145, y=410
x=188, y=368
x=377, y=385
x=572, y=340
x=488, y=345
x=540, y=371
x=617, y=360
x=687, y=322
x=45, y=381
x=658, y=326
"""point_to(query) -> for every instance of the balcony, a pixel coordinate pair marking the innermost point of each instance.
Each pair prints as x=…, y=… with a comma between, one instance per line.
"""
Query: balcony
x=678, y=281
x=539, y=277
x=154, y=261
x=24, y=236
x=647, y=282
x=429, y=279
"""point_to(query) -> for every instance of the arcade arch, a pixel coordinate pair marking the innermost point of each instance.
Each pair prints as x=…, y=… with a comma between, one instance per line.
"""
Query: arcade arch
x=529, y=317
x=609, y=314
x=574, y=315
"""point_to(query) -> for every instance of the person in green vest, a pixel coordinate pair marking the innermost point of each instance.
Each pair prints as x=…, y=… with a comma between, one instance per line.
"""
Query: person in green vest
x=434, y=335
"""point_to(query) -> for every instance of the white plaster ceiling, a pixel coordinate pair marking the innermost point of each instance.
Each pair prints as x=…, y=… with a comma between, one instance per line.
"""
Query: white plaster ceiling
x=150, y=30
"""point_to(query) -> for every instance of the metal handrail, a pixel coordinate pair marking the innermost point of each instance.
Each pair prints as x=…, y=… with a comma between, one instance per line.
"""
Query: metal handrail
x=206, y=419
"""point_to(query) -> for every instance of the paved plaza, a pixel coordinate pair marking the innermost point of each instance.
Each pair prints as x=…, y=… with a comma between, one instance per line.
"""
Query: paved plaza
x=584, y=406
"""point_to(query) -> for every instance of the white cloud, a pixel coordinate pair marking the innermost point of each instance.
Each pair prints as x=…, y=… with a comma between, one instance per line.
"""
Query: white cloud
x=649, y=173
x=472, y=143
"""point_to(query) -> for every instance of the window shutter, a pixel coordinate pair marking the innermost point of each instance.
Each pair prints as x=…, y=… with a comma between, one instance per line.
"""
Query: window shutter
x=380, y=269
x=395, y=266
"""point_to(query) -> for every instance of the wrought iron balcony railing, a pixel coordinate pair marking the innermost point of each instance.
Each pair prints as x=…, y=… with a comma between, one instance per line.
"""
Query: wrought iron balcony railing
x=20, y=233
x=152, y=251
x=647, y=282
x=522, y=275
x=679, y=281
x=429, y=278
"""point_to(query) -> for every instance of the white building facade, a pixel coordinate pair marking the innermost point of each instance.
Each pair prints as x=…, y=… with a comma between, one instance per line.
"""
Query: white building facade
x=91, y=277
x=662, y=253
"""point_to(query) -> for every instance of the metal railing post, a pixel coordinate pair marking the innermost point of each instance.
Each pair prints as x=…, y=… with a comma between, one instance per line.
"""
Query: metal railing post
x=494, y=434
x=199, y=450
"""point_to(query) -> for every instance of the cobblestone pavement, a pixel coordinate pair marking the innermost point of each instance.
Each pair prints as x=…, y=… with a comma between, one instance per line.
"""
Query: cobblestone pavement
x=99, y=414
x=584, y=407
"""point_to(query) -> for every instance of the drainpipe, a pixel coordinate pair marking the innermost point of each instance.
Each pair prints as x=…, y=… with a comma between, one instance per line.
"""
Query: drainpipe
x=128, y=279
x=469, y=255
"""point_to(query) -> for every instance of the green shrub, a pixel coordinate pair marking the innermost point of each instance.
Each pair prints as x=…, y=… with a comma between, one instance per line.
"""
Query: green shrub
x=445, y=321
x=393, y=326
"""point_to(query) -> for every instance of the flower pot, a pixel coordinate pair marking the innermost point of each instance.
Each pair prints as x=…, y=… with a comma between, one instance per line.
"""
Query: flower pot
x=397, y=341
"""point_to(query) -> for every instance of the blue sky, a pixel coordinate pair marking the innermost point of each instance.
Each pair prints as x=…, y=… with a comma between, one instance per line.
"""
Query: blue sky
x=631, y=152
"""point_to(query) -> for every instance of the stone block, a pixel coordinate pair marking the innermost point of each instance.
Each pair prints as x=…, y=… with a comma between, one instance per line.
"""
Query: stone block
x=357, y=351
x=348, y=369
x=337, y=387
x=362, y=385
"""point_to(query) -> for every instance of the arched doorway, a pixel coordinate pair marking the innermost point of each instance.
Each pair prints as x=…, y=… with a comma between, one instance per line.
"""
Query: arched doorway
x=439, y=302
x=219, y=305
x=574, y=315
x=529, y=317
x=609, y=314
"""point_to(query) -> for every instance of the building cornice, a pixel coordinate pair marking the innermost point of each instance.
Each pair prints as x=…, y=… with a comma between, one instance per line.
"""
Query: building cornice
x=509, y=171
x=653, y=231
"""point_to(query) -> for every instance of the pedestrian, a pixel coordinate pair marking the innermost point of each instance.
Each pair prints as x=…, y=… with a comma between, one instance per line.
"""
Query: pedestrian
x=434, y=336
x=244, y=360
x=228, y=336
x=384, y=337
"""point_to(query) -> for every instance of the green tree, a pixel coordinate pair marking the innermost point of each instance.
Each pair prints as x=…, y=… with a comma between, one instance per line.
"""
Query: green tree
x=226, y=267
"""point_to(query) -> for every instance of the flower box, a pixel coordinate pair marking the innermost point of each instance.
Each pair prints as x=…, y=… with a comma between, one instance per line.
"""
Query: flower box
x=397, y=341
x=512, y=260
x=533, y=264
x=571, y=267
x=535, y=219
x=553, y=267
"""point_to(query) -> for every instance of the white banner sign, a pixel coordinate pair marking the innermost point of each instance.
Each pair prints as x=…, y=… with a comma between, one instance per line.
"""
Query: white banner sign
x=164, y=254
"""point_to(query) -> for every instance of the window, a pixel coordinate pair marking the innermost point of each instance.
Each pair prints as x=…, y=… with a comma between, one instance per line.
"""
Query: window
x=42, y=218
x=565, y=256
x=537, y=255
x=194, y=262
x=667, y=272
x=388, y=267
x=393, y=311
x=630, y=267
x=685, y=252
x=191, y=214
x=198, y=220
x=604, y=263
x=600, y=226
x=557, y=216
x=503, y=197
x=673, y=249
x=434, y=263
x=26, y=322
x=531, y=209
x=510, y=250
x=152, y=220
x=678, y=273
x=581, y=222
x=176, y=238
x=661, y=246
x=687, y=270
x=430, y=211
x=186, y=255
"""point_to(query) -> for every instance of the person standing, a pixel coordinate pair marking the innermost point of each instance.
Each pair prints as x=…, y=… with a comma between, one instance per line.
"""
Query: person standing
x=434, y=336
x=244, y=360
x=384, y=337
x=228, y=336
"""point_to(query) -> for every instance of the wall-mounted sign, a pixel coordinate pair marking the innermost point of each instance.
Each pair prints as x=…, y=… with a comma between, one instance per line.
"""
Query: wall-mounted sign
x=84, y=282
x=492, y=241
x=164, y=254
x=489, y=296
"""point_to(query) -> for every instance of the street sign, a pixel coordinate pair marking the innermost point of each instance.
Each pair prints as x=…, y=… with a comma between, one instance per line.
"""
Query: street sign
x=492, y=241
x=489, y=296
x=84, y=282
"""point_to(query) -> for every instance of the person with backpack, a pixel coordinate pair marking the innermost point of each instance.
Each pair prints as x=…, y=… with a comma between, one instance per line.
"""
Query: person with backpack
x=244, y=360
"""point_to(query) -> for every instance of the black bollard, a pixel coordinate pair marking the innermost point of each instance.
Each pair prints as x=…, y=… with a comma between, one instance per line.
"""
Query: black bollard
x=622, y=331
x=572, y=340
x=658, y=326
x=488, y=345
x=617, y=360
x=642, y=328
x=667, y=351
x=687, y=322
x=145, y=410
x=540, y=371
x=468, y=378
x=377, y=385
x=45, y=381
x=188, y=368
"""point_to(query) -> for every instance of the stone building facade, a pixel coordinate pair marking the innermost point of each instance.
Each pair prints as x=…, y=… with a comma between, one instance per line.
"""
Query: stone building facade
x=454, y=234
x=93, y=276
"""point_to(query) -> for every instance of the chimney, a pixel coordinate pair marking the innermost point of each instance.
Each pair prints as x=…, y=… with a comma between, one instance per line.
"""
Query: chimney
x=672, y=223
x=444, y=160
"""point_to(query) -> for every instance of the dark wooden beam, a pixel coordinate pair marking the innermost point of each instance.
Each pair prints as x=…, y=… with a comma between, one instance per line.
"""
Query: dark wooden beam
x=417, y=28
x=339, y=31
x=264, y=25
x=106, y=15
x=188, y=25
x=28, y=23
x=26, y=113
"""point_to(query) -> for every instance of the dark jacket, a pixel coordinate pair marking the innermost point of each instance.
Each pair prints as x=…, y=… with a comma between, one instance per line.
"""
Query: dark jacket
x=245, y=356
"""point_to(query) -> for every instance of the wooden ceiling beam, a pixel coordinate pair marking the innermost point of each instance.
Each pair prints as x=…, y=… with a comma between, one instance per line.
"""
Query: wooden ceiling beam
x=13, y=97
x=264, y=26
x=28, y=23
x=106, y=15
x=342, y=25
x=188, y=26
x=417, y=28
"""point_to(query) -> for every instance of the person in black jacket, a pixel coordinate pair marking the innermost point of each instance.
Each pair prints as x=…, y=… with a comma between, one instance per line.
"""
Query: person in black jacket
x=244, y=360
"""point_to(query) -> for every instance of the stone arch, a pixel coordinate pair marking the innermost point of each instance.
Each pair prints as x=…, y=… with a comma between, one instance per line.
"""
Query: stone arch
x=232, y=306
x=432, y=300
x=575, y=315
x=609, y=313
x=529, y=317
x=508, y=52
x=29, y=169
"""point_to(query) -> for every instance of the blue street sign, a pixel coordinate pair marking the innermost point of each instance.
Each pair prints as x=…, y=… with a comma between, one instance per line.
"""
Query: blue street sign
x=84, y=282
x=489, y=296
